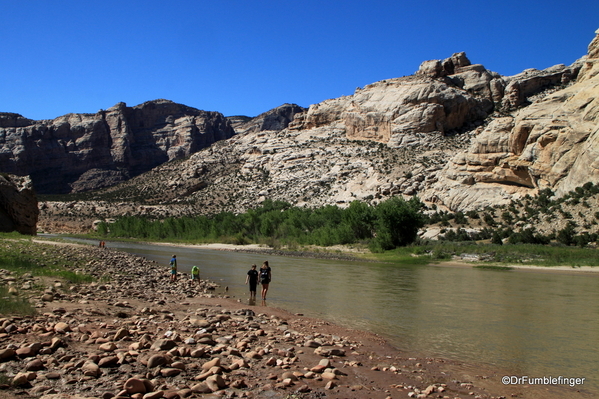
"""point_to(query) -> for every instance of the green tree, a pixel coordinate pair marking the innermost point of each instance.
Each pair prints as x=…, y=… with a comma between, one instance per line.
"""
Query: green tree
x=397, y=222
x=359, y=217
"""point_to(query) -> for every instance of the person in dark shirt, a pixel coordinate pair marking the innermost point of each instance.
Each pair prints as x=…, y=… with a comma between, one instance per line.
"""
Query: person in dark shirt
x=265, y=277
x=252, y=279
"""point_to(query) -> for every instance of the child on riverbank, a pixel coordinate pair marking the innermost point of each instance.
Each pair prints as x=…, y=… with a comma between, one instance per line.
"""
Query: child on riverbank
x=173, y=265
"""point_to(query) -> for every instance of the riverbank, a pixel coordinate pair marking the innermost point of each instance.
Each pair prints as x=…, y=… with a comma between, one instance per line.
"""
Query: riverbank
x=89, y=340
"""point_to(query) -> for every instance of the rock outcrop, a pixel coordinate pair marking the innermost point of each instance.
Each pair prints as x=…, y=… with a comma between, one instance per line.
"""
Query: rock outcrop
x=79, y=152
x=552, y=143
x=276, y=119
x=18, y=205
x=443, y=96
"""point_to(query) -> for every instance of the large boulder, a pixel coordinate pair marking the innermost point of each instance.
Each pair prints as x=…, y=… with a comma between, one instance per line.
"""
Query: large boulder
x=18, y=204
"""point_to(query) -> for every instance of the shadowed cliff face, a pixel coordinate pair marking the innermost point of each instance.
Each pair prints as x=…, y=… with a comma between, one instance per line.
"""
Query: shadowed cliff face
x=18, y=205
x=79, y=152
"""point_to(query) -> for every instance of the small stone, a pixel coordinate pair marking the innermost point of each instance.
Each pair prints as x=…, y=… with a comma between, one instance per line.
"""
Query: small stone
x=27, y=351
x=212, y=363
x=35, y=365
x=7, y=353
x=107, y=347
x=157, y=360
x=52, y=376
x=134, y=385
x=120, y=334
x=215, y=382
x=202, y=387
x=328, y=375
x=290, y=375
x=318, y=369
x=154, y=395
x=109, y=361
x=90, y=369
x=170, y=372
x=62, y=328
x=23, y=378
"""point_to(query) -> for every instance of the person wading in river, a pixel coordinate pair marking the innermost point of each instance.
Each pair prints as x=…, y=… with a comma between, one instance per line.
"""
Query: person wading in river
x=265, y=277
x=252, y=278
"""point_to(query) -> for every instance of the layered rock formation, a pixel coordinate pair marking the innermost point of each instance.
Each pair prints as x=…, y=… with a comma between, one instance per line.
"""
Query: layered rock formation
x=445, y=96
x=454, y=133
x=78, y=152
x=553, y=143
x=18, y=205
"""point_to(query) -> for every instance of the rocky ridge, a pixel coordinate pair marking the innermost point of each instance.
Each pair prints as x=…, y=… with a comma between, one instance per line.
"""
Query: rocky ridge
x=136, y=335
x=275, y=119
x=459, y=136
x=79, y=152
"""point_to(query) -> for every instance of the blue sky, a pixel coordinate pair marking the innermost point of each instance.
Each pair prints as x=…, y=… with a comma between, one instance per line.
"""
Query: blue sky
x=246, y=57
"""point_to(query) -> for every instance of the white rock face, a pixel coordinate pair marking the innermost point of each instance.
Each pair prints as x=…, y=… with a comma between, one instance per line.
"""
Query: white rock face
x=553, y=143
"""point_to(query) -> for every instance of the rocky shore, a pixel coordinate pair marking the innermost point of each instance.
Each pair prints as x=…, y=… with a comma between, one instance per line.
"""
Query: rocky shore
x=133, y=334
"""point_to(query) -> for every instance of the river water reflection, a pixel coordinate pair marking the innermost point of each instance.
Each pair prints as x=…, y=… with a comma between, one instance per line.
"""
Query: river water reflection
x=526, y=323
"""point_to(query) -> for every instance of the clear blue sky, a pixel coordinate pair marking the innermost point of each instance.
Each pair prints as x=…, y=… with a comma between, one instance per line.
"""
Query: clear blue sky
x=246, y=57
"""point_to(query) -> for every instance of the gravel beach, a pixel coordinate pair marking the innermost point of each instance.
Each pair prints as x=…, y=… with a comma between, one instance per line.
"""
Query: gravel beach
x=134, y=334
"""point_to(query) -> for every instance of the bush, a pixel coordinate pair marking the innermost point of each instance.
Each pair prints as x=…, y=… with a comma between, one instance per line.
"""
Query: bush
x=489, y=219
x=566, y=235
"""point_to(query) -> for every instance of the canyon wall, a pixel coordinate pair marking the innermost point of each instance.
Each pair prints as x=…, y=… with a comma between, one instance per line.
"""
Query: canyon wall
x=79, y=152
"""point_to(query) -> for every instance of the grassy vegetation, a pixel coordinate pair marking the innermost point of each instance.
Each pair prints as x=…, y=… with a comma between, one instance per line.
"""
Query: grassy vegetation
x=11, y=304
x=491, y=254
x=19, y=255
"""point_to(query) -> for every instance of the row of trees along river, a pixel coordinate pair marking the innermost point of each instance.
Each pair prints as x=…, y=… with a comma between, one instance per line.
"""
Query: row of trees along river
x=387, y=225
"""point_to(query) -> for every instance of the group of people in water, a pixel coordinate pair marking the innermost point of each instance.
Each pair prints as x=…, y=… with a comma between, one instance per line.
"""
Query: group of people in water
x=264, y=276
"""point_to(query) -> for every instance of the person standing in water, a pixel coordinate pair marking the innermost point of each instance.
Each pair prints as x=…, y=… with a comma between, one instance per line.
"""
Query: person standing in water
x=173, y=265
x=265, y=277
x=252, y=279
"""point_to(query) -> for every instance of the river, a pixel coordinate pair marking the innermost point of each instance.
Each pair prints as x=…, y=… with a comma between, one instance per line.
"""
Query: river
x=527, y=323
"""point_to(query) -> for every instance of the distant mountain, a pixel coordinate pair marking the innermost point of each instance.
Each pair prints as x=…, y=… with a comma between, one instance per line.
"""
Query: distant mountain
x=79, y=152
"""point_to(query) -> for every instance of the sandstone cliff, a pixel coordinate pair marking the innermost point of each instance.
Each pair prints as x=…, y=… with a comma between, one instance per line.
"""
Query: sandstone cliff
x=18, y=205
x=553, y=143
x=454, y=133
x=78, y=152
